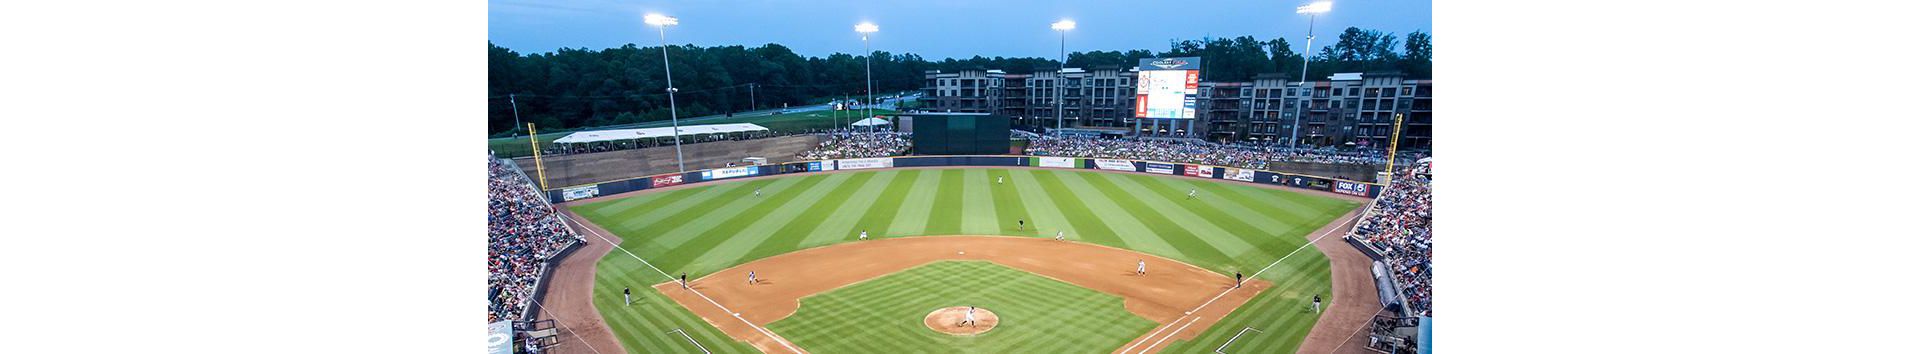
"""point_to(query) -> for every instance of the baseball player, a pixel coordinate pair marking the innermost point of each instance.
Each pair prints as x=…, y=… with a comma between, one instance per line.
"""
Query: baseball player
x=683, y=281
x=627, y=293
x=969, y=321
x=1141, y=269
x=1000, y=180
x=1192, y=192
x=1023, y=224
x=1316, y=303
x=751, y=279
x=756, y=191
x=1236, y=280
x=863, y=235
x=1060, y=236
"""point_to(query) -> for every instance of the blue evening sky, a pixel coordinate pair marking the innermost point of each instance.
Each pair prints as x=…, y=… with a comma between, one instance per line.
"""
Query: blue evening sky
x=934, y=29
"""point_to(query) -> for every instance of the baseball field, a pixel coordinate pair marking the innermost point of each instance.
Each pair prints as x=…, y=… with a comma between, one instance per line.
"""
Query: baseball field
x=799, y=233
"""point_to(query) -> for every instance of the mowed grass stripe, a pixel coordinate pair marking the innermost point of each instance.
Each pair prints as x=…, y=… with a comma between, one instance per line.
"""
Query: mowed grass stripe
x=1174, y=232
x=1106, y=205
x=943, y=218
x=880, y=217
x=980, y=213
x=1043, y=217
x=912, y=218
x=660, y=238
x=622, y=205
x=648, y=215
x=1222, y=233
x=1222, y=209
x=840, y=225
x=634, y=325
x=1250, y=198
x=810, y=215
x=1007, y=204
x=1075, y=213
x=731, y=205
x=728, y=242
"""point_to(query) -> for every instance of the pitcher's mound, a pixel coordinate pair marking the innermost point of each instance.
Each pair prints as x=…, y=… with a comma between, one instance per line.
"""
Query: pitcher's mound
x=948, y=320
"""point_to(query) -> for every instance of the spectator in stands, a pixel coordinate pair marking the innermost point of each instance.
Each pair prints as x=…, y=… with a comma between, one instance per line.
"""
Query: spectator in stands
x=522, y=232
x=848, y=145
x=1401, y=226
x=1242, y=155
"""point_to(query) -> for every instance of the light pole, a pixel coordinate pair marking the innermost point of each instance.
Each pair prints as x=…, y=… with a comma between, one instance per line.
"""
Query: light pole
x=1306, y=57
x=1060, y=77
x=673, y=108
x=866, y=28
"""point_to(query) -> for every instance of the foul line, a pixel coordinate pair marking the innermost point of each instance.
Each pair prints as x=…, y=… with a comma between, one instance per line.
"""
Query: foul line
x=1356, y=331
x=1236, y=336
x=736, y=315
x=1336, y=227
x=683, y=334
x=563, y=323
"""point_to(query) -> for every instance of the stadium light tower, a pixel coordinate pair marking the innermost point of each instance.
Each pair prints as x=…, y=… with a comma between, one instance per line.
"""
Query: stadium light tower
x=1060, y=77
x=1306, y=57
x=866, y=28
x=673, y=109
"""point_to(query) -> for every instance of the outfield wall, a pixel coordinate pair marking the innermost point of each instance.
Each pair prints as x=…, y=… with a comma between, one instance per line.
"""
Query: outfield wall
x=1301, y=181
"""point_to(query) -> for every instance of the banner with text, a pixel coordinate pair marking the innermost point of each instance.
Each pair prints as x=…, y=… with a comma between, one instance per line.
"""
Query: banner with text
x=1059, y=162
x=725, y=173
x=1350, y=188
x=1239, y=174
x=577, y=193
x=856, y=164
x=669, y=180
x=1116, y=165
x=1160, y=168
x=818, y=166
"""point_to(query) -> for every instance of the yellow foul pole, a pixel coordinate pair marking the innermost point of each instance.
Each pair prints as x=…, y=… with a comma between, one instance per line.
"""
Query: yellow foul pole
x=1392, y=146
x=538, y=168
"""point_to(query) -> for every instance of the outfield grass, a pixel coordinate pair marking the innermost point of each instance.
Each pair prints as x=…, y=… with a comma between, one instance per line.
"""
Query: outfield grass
x=1037, y=314
x=1230, y=227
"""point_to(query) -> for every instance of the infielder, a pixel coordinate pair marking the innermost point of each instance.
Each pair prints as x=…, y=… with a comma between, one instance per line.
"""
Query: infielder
x=683, y=281
x=1023, y=224
x=1060, y=236
x=1236, y=280
x=863, y=235
x=627, y=293
x=751, y=279
x=1141, y=269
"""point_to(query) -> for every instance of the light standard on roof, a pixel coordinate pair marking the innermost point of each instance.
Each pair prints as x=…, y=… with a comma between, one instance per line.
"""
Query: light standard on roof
x=1306, y=57
x=673, y=108
x=1060, y=77
x=866, y=28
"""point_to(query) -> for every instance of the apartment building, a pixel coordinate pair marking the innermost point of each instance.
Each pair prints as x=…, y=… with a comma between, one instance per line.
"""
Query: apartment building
x=1356, y=108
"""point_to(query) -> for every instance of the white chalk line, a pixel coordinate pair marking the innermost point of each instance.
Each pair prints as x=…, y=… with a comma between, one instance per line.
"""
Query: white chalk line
x=683, y=334
x=1356, y=331
x=1309, y=243
x=1236, y=336
x=563, y=324
x=736, y=315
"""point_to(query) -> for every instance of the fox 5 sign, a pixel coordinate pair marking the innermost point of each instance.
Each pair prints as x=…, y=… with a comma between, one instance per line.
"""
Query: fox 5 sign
x=1350, y=188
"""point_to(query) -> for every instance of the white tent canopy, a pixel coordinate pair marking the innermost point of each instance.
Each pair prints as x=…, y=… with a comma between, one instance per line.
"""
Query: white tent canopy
x=649, y=133
x=870, y=122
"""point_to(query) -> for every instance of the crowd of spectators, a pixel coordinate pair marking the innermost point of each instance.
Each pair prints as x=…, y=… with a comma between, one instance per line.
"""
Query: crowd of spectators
x=1242, y=155
x=853, y=145
x=1401, y=226
x=522, y=232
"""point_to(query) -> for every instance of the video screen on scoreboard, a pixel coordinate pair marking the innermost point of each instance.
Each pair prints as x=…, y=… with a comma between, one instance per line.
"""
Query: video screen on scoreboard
x=1168, y=88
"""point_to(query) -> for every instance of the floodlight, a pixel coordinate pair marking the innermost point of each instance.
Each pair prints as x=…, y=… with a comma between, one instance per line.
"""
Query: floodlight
x=1063, y=25
x=662, y=20
x=1315, y=8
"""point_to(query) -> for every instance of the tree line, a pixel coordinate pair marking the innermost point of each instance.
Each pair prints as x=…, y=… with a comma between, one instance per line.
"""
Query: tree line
x=572, y=88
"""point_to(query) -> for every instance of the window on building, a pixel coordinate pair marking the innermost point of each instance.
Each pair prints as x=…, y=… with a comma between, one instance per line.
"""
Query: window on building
x=1293, y=92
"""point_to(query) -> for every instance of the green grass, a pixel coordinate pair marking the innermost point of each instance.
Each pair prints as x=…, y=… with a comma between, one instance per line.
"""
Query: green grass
x=1037, y=314
x=1231, y=227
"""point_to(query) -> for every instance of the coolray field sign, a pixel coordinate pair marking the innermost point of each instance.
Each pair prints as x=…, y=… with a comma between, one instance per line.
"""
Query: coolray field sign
x=1160, y=168
x=725, y=173
x=1167, y=88
x=857, y=164
x=577, y=193
x=1116, y=165
x=1057, y=162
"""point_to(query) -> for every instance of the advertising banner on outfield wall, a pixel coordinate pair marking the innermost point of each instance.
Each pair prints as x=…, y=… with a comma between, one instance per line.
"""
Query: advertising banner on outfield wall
x=1160, y=168
x=669, y=180
x=578, y=193
x=500, y=337
x=726, y=173
x=1239, y=174
x=1116, y=165
x=856, y=164
x=1349, y=188
x=1059, y=162
x=818, y=166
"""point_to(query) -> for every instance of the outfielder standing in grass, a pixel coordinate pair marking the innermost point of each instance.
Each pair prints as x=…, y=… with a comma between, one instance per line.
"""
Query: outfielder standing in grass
x=1316, y=303
x=627, y=293
x=756, y=191
x=1192, y=192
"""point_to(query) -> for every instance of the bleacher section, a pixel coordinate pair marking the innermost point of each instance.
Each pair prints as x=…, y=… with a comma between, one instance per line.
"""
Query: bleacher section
x=576, y=169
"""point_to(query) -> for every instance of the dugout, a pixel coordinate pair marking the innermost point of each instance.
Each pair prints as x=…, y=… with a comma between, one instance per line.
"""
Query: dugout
x=958, y=133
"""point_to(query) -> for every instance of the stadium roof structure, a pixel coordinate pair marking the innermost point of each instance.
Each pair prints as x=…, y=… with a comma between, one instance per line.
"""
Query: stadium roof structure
x=650, y=133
